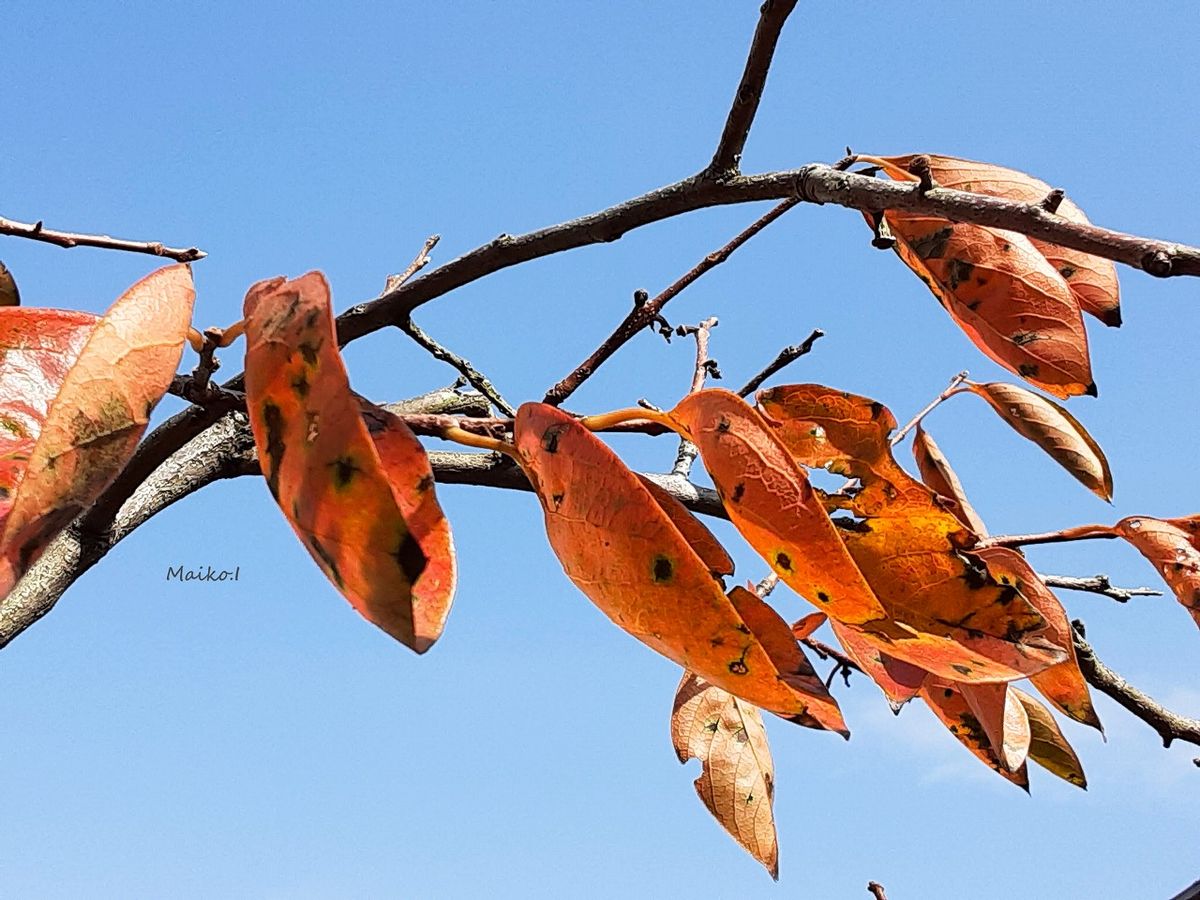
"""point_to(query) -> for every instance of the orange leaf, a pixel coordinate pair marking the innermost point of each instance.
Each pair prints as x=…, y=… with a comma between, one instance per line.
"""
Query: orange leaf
x=83, y=404
x=771, y=503
x=707, y=547
x=1048, y=747
x=937, y=474
x=900, y=681
x=363, y=508
x=1172, y=547
x=1062, y=684
x=737, y=783
x=946, y=700
x=1053, y=429
x=620, y=548
x=1003, y=720
x=1092, y=279
x=806, y=625
x=947, y=615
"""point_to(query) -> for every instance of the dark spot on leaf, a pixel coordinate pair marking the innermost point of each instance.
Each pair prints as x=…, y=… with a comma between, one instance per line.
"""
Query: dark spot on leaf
x=974, y=305
x=738, y=667
x=739, y=491
x=712, y=726
x=663, y=569
x=1028, y=370
x=975, y=575
x=410, y=557
x=723, y=425
x=958, y=271
x=273, y=419
x=876, y=409
x=557, y=499
x=311, y=319
x=344, y=470
x=743, y=628
x=933, y=244
x=1007, y=596
x=424, y=484
x=1021, y=338
x=4, y=493
x=961, y=670
x=300, y=385
x=550, y=438
x=309, y=351
x=1005, y=247
x=325, y=557
x=1066, y=271
x=822, y=596
x=783, y=561
x=947, y=693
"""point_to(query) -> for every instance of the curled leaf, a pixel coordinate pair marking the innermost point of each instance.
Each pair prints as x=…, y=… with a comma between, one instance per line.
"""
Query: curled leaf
x=945, y=613
x=949, y=704
x=9, y=295
x=1048, y=747
x=626, y=554
x=1062, y=684
x=78, y=394
x=1053, y=429
x=360, y=499
x=737, y=782
x=1092, y=279
x=900, y=681
x=1003, y=720
x=1173, y=548
x=939, y=477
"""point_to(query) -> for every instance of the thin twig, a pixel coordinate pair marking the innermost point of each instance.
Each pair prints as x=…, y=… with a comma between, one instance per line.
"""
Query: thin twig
x=1170, y=725
x=786, y=357
x=420, y=261
x=745, y=103
x=474, y=377
x=37, y=232
x=705, y=366
x=933, y=404
x=1077, y=533
x=644, y=313
x=875, y=888
x=1098, y=584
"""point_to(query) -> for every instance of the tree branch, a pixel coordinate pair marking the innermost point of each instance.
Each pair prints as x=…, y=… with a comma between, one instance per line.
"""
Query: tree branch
x=1098, y=584
x=1077, y=533
x=745, y=103
x=1170, y=725
x=37, y=232
x=645, y=313
x=786, y=357
x=463, y=366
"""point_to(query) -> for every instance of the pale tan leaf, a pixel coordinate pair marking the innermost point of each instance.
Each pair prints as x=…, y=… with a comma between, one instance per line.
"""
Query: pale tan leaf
x=737, y=783
x=938, y=476
x=1048, y=747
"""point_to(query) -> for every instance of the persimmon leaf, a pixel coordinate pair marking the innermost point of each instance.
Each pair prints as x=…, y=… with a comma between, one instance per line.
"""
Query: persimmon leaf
x=737, y=781
x=1003, y=719
x=900, y=681
x=707, y=547
x=625, y=553
x=361, y=502
x=945, y=613
x=940, y=477
x=1173, y=548
x=948, y=703
x=770, y=501
x=82, y=392
x=1001, y=291
x=1092, y=279
x=1053, y=429
x=1048, y=747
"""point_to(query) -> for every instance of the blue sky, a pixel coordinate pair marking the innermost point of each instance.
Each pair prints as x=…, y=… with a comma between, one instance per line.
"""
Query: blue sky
x=259, y=740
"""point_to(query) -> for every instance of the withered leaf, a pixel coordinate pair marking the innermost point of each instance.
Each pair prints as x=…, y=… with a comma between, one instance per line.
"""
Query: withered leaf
x=9, y=295
x=1048, y=747
x=1173, y=547
x=737, y=782
x=941, y=478
x=1053, y=429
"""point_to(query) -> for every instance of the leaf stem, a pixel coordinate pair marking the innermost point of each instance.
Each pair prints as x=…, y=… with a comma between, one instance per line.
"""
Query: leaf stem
x=950, y=391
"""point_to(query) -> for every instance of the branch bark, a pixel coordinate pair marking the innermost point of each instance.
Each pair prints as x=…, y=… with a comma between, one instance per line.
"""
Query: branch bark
x=37, y=232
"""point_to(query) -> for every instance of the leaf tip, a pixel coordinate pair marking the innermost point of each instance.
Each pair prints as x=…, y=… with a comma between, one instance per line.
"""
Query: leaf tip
x=1091, y=390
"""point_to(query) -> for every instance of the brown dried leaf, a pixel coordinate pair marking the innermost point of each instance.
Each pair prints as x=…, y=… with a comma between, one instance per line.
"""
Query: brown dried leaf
x=1053, y=429
x=737, y=783
x=1173, y=547
x=1048, y=747
x=937, y=475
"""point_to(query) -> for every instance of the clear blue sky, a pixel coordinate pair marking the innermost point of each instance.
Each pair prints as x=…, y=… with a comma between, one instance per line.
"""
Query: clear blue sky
x=259, y=740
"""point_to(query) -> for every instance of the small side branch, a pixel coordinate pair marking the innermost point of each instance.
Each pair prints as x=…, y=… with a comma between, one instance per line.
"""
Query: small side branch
x=1078, y=533
x=786, y=357
x=650, y=311
x=705, y=366
x=474, y=377
x=937, y=401
x=745, y=103
x=36, y=231
x=1170, y=725
x=1098, y=584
